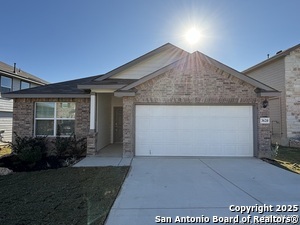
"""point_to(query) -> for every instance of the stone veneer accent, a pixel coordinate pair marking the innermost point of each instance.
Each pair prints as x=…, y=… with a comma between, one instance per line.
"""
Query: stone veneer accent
x=23, y=115
x=292, y=85
x=195, y=83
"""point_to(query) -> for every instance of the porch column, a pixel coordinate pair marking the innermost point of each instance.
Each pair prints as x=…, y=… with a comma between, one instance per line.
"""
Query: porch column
x=92, y=111
x=92, y=137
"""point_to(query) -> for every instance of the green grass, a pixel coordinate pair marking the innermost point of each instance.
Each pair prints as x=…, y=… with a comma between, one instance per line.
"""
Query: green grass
x=63, y=196
x=4, y=150
x=289, y=158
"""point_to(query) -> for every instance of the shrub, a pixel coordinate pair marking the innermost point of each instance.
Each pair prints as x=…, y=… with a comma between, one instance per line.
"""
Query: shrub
x=77, y=146
x=29, y=149
x=30, y=154
x=69, y=146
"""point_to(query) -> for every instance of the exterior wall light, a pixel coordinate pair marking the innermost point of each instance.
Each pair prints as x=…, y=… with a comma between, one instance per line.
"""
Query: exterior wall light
x=265, y=103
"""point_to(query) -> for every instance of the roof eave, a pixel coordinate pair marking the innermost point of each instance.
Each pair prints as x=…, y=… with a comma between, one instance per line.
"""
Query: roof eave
x=124, y=93
x=13, y=96
x=101, y=86
x=269, y=94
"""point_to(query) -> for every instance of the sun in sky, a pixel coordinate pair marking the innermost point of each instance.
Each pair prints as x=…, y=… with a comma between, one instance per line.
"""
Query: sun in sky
x=192, y=35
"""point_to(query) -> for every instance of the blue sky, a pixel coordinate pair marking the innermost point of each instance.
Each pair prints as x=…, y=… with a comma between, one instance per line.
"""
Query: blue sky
x=61, y=40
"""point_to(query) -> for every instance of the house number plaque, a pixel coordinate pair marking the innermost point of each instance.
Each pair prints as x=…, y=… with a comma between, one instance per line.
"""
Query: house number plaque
x=265, y=120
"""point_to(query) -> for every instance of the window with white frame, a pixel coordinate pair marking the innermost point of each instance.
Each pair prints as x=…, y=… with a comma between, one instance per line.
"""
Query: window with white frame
x=55, y=118
x=6, y=84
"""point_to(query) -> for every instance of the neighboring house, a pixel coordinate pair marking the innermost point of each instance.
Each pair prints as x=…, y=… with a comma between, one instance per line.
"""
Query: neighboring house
x=282, y=72
x=167, y=102
x=12, y=79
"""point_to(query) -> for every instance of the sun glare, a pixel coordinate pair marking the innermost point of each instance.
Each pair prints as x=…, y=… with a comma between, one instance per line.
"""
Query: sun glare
x=192, y=36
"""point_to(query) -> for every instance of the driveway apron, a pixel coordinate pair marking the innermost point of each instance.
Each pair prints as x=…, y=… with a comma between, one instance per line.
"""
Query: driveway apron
x=160, y=189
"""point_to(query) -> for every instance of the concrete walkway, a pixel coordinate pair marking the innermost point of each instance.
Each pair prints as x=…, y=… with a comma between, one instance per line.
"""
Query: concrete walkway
x=158, y=189
x=91, y=161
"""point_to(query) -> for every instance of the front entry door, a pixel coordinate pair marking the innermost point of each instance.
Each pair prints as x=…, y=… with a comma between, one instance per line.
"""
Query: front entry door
x=118, y=124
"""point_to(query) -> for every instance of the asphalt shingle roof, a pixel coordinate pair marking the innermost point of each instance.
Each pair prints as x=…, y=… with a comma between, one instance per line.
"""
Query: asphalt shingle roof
x=66, y=87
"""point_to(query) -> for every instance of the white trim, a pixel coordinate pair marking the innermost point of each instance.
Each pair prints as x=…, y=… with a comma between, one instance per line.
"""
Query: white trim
x=92, y=111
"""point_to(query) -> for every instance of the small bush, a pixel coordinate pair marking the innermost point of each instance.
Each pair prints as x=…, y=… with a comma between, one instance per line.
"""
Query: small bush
x=29, y=149
x=30, y=154
x=69, y=146
x=77, y=146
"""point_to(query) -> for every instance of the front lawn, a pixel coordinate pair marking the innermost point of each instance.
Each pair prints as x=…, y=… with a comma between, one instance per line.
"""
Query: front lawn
x=289, y=158
x=64, y=196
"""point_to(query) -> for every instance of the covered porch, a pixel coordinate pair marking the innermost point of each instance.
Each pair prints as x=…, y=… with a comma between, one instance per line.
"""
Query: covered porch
x=106, y=125
x=111, y=150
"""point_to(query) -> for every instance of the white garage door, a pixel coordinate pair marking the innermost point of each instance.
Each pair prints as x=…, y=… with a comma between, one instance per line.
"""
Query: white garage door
x=194, y=130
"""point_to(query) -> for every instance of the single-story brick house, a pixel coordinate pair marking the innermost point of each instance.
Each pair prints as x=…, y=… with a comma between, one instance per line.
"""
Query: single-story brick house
x=167, y=102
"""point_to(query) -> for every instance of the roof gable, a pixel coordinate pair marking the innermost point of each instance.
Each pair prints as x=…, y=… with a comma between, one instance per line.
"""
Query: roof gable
x=146, y=64
x=196, y=59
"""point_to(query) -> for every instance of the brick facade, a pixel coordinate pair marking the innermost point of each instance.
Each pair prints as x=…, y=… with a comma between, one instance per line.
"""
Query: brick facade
x=195, y=83
x=23, y=115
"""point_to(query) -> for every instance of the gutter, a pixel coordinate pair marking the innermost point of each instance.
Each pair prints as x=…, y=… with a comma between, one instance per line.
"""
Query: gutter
x=9, y=96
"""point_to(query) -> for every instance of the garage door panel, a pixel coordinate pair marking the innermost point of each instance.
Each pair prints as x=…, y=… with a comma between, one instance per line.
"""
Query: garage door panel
x=227, y=137
x=143, y=123
x=142, y=137
x=242, y=124
x=157, y=136
x=230, y=150
x=243, y=137
x=184, y=122
x=186, y=136
x=244, y=150
x=143, y=111
x=194, y=130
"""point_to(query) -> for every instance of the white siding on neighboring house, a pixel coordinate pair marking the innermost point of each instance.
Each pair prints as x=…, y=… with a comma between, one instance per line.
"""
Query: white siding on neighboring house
x=32, y=85
x=273, y=74
x=16, y=84
x=6, y=105
x=6, y=125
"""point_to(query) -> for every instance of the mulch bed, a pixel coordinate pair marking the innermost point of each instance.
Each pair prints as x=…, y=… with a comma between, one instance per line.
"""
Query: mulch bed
x=13, y=163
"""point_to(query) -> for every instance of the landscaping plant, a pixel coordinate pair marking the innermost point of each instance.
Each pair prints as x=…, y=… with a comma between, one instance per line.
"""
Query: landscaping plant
x=29, y=149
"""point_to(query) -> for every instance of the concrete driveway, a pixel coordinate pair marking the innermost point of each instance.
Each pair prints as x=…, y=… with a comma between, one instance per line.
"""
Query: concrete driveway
x=162, y=189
